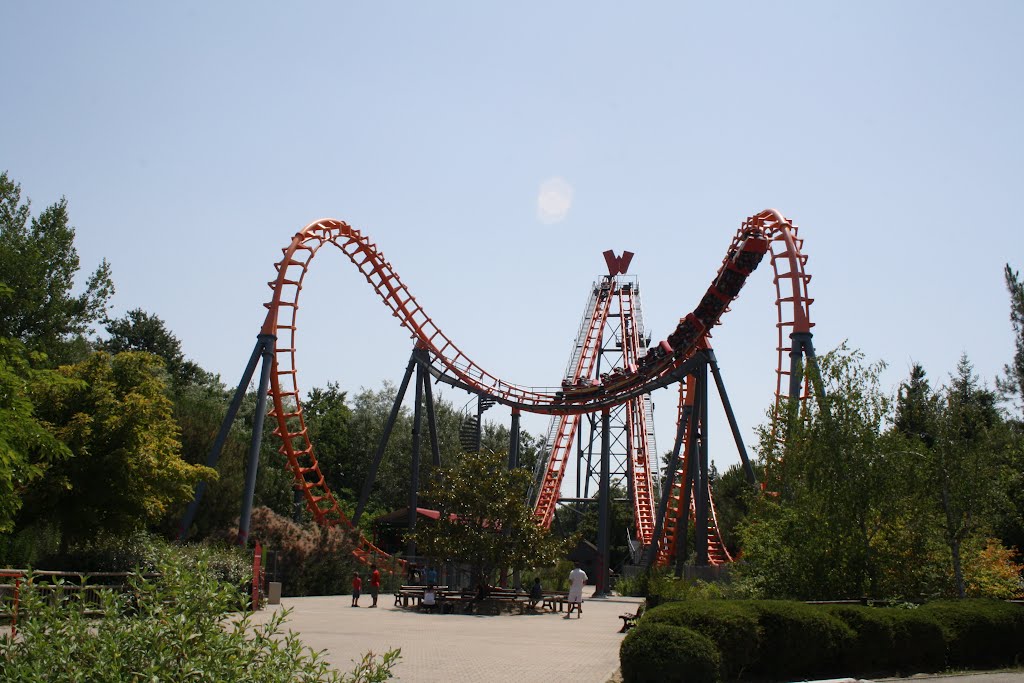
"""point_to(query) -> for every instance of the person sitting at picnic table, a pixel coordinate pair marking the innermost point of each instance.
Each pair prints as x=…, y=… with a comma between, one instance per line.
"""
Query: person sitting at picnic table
x=429, y=601
x=536, y=593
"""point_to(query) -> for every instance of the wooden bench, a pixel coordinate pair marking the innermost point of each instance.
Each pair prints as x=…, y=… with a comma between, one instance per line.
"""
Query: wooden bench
x=629, y=620
x=555, y=601
x=413, y=595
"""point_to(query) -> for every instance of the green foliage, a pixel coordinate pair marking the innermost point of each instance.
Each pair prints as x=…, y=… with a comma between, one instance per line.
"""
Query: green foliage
x=174, y=628
x=38, y=265
x=663, y=586
x=917, y=644
x=798, y=640
x=141, y=331
x=836, y=487
x=27, y=447
x=980, y=633
x=862, y=508
x=661, y=652
x=731, y=625
x=1012, y=383
x=485, y=520
x=125, y=468
x=581, y=520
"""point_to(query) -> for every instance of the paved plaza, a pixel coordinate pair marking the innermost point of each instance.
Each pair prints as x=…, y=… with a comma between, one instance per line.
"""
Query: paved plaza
x=508, y=648
x=456, y=647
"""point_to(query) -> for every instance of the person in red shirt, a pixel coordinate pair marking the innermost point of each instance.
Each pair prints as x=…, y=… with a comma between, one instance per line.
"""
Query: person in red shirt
x=357, y=587
x=374, y=584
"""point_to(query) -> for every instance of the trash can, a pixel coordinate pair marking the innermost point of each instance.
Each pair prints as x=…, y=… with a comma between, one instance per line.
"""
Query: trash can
x=274, y=593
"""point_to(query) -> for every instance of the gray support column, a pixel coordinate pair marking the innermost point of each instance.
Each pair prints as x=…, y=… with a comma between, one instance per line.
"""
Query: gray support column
x=733, y=425
x=267, y=353
x=371, y=476
x=222, y=435
x=428, y=391
x=513, y=441
x=604, y=509
x=700, y=524
x=414, y=466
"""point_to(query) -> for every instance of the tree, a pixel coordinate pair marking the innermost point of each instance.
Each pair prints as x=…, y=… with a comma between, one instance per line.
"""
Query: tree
x=141, y=331
x=963, y=468
x=125, y=468
x=485, y=520
x=836, y=490
x=38, y=264
x=1012, y=384
x=27, y=448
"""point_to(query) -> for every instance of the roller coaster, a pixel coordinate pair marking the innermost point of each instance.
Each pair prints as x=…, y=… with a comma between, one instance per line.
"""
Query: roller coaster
x=683, y=357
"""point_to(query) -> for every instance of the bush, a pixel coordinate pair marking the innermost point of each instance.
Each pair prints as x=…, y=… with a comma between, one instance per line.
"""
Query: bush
x=979, y=633
x=663, y=587
x=663, y=653
x=799, y=640
x=311, y=559
x=731, y=625
x=872, y=650
x=176, y=627
x=917, y=642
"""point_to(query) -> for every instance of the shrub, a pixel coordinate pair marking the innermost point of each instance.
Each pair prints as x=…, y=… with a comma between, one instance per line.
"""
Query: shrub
x=311, y=559
x=799, y=639
x=872, y=650
x=731, y=625
x=979, y=633
x=663, y=653
x=917, y=642
x=176, y=627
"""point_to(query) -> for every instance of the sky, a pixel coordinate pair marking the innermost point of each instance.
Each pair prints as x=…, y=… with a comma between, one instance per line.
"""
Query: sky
x=493, y=151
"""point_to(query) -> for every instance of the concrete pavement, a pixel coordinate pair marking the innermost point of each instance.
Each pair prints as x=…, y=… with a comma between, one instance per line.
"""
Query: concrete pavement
x=456, y=647
x=509, y=648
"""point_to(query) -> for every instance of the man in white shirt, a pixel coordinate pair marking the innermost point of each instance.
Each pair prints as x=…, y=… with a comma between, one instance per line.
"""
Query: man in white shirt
x=577, y=579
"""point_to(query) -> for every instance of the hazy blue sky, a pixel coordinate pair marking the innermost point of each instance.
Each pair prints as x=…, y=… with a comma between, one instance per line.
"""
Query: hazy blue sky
x=192, y=139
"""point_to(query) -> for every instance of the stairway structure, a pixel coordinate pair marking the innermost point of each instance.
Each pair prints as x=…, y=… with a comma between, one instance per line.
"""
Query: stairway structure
x=610, y=340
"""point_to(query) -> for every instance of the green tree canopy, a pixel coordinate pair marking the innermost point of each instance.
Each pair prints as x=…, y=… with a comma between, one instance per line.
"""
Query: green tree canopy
x=125, y=468
x=485, y=519
x=27, y=447
x=38, y=265
x=138, y=330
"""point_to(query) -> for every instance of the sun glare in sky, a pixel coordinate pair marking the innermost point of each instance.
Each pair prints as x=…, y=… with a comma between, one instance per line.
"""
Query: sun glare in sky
x=554, y=200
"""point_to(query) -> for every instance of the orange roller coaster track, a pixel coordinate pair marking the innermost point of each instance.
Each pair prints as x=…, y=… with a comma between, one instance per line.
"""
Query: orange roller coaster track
x=663, y=364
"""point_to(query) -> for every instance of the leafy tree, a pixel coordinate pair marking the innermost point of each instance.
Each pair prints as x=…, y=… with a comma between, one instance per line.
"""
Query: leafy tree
x=27, y=448
x=141, y=331
x=836, y=490
x=582, y=520
x=125, y=469
x=485, y=520
x=963, y=468
x=38, y=264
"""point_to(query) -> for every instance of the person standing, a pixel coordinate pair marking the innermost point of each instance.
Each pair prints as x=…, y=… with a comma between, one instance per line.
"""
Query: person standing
x=374, y=584
x=357, y=588
x=577, y=579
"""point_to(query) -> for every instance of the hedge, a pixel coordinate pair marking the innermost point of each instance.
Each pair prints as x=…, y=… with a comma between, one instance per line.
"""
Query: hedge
x=731, y=625
x=654, y=652
x=766, y=640
x=980, y=633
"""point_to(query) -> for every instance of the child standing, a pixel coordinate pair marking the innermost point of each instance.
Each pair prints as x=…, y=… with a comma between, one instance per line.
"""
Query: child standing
x=357, y=588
